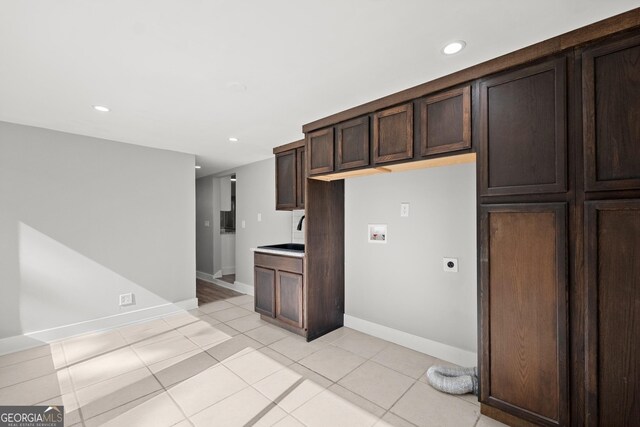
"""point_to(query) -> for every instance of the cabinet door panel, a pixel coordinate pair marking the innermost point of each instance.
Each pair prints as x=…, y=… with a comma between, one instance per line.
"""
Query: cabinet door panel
x=524, y=323
x=393, y=134
x=613, y=312
x=353, y=143
x=445, y=122
x=320, y=151
x=286, y=180
x=265, y=284
x=523, y=131
x=301, y=177
x=611, y=115
x=289, y=298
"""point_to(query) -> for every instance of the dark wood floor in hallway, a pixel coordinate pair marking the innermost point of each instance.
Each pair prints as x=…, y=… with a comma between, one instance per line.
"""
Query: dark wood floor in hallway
x=209, y=292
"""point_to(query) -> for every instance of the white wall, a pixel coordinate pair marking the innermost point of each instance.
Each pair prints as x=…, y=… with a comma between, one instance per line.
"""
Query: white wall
x=401, y=284
x=83, y=220
x=256, y=193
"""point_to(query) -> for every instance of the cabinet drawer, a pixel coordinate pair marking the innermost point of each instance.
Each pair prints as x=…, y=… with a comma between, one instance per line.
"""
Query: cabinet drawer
x=279, y=262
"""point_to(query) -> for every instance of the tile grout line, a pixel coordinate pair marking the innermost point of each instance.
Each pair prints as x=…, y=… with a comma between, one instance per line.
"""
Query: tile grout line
x=273, y=402
x=159, y=391
x=124, y=373
x=55, y=370
x=156, y=392
x=72, y=384
x=477, y=420
x=225, y=398
x=399, y=398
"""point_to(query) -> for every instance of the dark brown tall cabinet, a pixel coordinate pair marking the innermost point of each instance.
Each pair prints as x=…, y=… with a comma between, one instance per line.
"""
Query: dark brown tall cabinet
x=559, y=238
x=522, y=168
x=611, y=137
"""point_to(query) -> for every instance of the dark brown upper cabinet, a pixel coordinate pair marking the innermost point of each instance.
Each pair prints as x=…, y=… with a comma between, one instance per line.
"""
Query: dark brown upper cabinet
x=523, y=141
x=611, y=115
x=523, y=281
x=445, y=122
x=286, y=180
x=613, y=312
x=301, y=177
x=290, y=176
x=393, y=134
x=353, y=143
x=320, y=151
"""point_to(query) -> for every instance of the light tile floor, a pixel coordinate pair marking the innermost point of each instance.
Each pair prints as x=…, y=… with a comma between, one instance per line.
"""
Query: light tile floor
x=221, y=365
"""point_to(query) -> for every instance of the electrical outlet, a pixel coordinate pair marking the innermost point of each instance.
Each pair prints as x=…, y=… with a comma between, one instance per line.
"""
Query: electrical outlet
x=450, y=265
x=404, y=209
x=126, y=299
x=259, y=217
x=244, y=224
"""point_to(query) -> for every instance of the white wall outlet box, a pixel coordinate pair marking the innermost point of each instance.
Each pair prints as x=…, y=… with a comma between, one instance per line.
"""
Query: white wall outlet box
x=450, y=265
x=377, y=233
x=126, y=299
x=244, y=224
x=259, y=217
x=404, y=209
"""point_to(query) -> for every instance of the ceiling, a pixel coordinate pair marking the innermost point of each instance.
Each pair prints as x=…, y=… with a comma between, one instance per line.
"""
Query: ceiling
x=185, y=75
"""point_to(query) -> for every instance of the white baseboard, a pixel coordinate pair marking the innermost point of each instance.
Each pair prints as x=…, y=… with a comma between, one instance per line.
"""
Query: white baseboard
x=228, y=270
x=236, y=286
x=37, y=338
x=433, y=348
x=204, y=276
x=243, y=287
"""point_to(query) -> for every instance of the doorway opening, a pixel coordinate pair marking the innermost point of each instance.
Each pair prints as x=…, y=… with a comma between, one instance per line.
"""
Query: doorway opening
x=228, y=228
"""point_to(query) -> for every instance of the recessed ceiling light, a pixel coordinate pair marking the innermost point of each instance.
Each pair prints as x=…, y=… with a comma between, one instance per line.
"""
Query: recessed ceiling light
x=101, y=108
x=233, y=139
x=453, y=47
x=198, y=166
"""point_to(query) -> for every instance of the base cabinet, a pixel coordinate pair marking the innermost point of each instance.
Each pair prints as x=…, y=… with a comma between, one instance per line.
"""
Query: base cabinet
x=279, y=290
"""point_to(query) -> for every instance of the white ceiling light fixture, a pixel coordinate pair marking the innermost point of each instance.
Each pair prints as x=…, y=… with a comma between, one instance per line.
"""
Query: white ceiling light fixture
x=198, y=166
x=454, y=47
x=101, y=108
x=233, y=139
